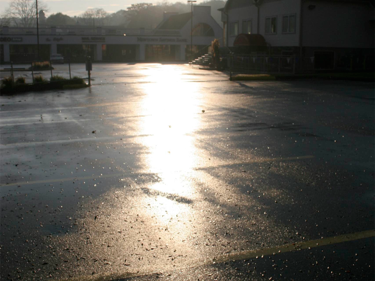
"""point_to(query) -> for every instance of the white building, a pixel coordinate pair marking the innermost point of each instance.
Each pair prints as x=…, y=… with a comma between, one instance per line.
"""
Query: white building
x=170, y=41
x=333, y=32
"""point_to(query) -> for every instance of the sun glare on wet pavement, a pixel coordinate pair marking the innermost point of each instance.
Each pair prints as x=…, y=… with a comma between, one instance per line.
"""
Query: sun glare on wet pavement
x=171, y=107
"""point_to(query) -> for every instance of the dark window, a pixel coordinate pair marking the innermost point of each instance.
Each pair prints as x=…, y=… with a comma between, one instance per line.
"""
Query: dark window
x=289, y=24
x=233, y=29
x=271, y=25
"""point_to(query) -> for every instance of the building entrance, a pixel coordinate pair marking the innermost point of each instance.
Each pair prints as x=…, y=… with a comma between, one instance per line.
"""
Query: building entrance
x=119, y=53
x=76, y=53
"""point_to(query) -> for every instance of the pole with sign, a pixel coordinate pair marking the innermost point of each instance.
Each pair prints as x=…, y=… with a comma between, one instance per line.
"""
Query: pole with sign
x=89, y=68
x=70, y=73
x=11, y=72
x=37, y=29
x=191, y=28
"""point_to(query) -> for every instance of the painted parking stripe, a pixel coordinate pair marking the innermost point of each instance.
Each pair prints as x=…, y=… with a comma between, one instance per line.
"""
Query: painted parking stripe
x=245, y=255
x=296, y=246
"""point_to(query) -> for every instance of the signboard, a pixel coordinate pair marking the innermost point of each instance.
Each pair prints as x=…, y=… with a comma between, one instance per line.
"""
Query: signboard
x=55, y=39
x=160, y=39
x=11, y=39
x=88, y=66
x=93, y=39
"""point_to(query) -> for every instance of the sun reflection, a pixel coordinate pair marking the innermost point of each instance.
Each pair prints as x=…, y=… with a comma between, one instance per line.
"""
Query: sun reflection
x=171, y=108
x=172, y=102
x=167, y=210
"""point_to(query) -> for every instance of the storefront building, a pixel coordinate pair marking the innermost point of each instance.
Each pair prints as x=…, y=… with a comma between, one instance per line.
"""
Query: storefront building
x=172, y=40
x=333, y=33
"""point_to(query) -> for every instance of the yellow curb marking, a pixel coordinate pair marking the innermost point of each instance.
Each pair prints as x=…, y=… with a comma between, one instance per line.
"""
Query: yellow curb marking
x=246, y=255
x=296, y=246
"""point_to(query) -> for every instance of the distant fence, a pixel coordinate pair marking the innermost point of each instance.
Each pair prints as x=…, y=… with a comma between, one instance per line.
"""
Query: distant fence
x=270, y=64
x=78, y=31
x=292, y=64
x=30, y=70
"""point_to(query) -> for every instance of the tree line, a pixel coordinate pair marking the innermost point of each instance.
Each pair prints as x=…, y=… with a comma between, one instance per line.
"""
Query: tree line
x=22, y=13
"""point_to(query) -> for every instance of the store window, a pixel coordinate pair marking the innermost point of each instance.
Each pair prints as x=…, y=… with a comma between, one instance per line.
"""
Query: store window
x=161, y=52
x=289, y=24
x=271, y=25
x=233, y=29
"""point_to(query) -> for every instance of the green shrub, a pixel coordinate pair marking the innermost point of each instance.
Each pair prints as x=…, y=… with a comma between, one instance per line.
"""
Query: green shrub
x=7, y=82
x=57, y=78
x=39, y=79
x=78, y=80
x=20, y=80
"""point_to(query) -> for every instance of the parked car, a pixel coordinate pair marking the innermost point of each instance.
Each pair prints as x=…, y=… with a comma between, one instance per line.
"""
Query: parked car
x=56, y=58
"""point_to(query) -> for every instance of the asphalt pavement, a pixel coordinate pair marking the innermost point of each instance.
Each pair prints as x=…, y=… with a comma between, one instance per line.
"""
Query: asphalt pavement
x=171, y=172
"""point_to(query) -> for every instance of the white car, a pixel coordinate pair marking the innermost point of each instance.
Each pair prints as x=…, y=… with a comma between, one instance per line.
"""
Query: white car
x=56, y=58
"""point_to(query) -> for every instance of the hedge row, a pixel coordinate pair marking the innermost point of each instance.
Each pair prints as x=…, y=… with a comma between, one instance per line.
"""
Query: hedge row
x=55, y=83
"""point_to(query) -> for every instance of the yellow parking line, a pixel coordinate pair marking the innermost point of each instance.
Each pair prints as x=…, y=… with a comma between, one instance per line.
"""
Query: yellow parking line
x=245, y=255
x=296, y=246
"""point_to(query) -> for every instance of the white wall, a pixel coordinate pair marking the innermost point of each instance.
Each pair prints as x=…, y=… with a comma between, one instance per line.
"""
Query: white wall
x=243, y=11
x=239, y=14
x=280, y=8
x=202, y=14
x=341, y=25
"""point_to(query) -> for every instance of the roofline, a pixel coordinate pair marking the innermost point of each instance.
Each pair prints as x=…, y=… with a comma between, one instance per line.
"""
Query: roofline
x=344, y=1
x=164, y=20
x=370, y=2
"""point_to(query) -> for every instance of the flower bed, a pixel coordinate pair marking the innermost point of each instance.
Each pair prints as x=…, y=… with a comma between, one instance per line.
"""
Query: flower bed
x=43, y=65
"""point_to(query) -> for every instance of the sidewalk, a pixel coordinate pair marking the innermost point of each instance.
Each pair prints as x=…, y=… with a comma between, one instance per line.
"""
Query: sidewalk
x=364, y=77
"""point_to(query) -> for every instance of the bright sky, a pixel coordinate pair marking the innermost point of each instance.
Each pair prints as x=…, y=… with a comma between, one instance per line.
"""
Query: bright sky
x=77, y=7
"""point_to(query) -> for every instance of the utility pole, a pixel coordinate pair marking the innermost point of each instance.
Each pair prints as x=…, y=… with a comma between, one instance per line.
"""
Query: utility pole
x=37, y=29
x=191, y=29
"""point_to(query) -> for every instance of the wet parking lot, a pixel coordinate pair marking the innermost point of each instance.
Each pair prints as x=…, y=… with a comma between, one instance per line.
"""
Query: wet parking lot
x=176, y=173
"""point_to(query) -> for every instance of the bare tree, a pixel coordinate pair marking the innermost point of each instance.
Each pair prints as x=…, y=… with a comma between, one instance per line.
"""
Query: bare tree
x=60, y=19
x=135, y=9
x=23, y=12
x=121, y=17
x=5, y=20
x=94, y=16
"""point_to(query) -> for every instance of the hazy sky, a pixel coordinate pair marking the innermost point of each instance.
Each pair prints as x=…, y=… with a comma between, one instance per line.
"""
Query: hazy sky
x=76, y=7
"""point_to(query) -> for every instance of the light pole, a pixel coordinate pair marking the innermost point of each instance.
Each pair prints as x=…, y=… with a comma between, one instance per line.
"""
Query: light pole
x=37, y=28
x=191, y=29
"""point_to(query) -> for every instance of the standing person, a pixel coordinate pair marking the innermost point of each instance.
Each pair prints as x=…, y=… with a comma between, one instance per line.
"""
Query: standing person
x=215, y=54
